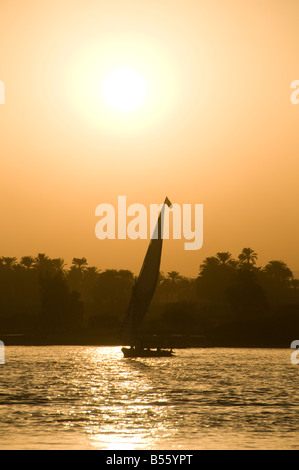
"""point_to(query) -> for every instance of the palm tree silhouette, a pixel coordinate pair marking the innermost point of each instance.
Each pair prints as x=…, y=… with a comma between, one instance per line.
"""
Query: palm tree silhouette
x=27, y=261
x=209, y=264
x=8, y=262
x=58, y=264
x=170, y=283
x=79, y=263
x=91, y=270
x=247, y=257
x=278, y=270
x=224, y=257
x=42, y=262
x=174, y=276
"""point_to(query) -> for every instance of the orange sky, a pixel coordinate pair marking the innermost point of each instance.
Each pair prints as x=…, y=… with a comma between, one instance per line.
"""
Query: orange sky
x=219, y=127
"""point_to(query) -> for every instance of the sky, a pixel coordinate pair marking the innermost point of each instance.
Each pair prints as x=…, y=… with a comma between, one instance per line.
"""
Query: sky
x=217, y=126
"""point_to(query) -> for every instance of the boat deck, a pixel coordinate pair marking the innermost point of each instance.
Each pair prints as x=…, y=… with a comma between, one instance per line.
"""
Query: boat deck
x=135, y=352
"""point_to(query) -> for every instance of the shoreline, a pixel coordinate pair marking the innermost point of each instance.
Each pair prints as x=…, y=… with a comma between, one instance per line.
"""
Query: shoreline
x=117, y=344
x=229, y=336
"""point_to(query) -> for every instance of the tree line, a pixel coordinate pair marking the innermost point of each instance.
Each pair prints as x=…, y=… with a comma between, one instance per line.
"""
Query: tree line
x=42, y=297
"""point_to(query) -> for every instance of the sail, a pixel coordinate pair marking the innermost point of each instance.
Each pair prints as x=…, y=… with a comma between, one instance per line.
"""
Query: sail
x=145, y=285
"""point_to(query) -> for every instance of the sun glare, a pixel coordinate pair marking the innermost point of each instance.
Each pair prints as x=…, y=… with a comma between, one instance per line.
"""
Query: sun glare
x=124, y=89
x=123, y=85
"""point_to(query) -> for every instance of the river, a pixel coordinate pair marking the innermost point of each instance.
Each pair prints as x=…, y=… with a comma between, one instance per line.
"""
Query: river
x=79, y=397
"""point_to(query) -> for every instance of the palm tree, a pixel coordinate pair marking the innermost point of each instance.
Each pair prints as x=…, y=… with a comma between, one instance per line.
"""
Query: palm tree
x=215, y=275
x=209, y=264
x=247, y=257
x=224, y=257
x=127, y=275
x=91, y=270
x=233, y=263
x=161, y=277
x=85, y=281
x=170, y=283
x=43, y=263
x=58, y=264
x=278, y=270
x=8, y=262
x=109, y=287
x=174, y=276
x=88, y=277
x=27, y=261
x=41, y=260
x=79, y=263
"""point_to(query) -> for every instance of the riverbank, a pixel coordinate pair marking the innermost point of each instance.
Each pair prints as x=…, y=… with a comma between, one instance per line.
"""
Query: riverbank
x=268, y=332
x=207, y=342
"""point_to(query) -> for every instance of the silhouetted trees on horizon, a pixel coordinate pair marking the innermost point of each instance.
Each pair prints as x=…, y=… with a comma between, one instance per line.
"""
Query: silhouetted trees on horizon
x=41, y=295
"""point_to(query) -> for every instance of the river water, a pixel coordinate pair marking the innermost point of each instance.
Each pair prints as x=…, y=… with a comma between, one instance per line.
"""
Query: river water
x=78, y=397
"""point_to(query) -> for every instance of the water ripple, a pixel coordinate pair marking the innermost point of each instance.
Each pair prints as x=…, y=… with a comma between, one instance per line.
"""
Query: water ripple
x=90, y=397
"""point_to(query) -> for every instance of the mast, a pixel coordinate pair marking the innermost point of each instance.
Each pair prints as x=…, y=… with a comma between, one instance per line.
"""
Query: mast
x=145, y=285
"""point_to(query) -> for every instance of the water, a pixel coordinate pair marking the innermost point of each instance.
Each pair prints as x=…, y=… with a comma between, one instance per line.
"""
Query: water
x=78, y=397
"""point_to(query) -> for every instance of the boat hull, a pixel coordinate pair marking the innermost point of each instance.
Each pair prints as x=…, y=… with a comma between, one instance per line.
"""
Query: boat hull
x=128, y=352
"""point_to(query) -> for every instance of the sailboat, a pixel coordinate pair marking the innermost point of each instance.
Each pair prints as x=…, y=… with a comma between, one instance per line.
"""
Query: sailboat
x=141, y=297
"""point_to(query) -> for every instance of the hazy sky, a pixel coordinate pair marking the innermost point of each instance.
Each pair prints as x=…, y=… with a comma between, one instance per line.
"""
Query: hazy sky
x=217, y=127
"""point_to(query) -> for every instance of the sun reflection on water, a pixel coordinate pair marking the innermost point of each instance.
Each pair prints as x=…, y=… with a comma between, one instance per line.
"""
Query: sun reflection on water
x=91, y=397
x=117, y=399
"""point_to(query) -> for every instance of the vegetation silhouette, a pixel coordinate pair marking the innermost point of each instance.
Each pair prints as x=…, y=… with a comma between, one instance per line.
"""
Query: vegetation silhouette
x=232, y=302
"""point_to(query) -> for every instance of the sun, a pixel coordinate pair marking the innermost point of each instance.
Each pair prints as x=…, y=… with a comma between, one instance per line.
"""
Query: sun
x=125, y=85
x=124, y=89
